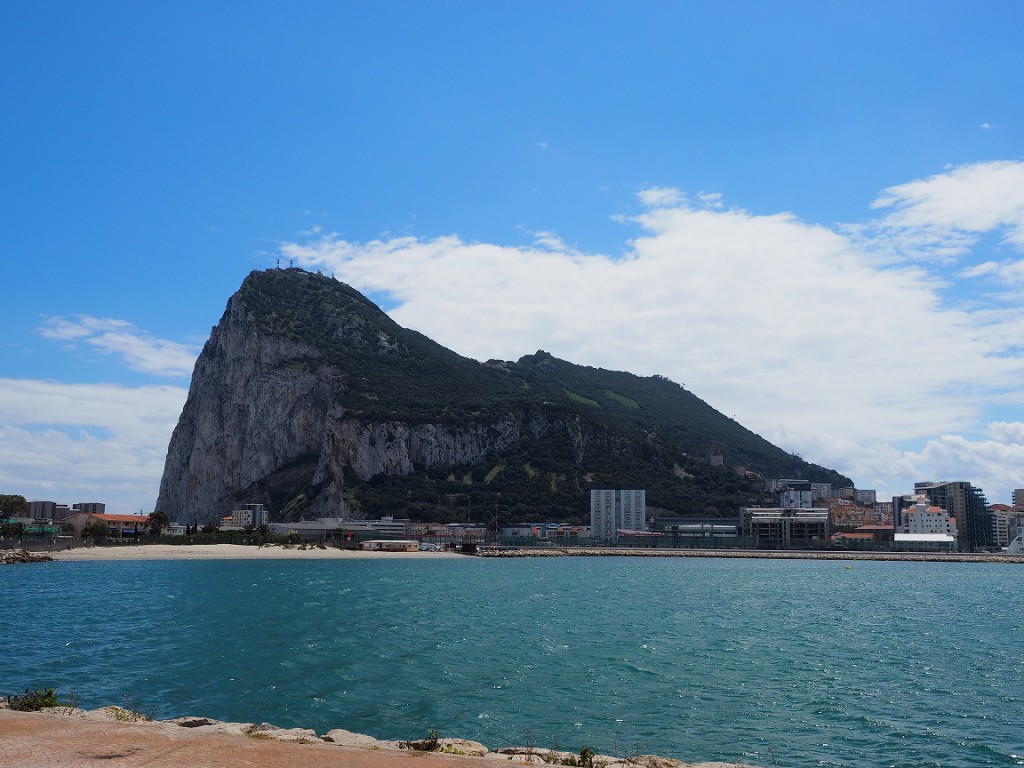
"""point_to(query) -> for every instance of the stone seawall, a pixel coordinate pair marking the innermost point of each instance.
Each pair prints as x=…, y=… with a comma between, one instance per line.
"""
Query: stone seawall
x=929, y=557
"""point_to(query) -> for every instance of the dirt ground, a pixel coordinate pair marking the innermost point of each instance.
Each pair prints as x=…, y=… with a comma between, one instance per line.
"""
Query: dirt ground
x=34, y=740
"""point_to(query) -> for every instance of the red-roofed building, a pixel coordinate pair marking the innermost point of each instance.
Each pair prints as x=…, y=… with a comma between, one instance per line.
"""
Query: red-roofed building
x=118, y=526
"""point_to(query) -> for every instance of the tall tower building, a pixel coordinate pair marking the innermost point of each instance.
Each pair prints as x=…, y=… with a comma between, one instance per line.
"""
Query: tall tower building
x=967, y=505
x=1018, y=500
x=614, y=509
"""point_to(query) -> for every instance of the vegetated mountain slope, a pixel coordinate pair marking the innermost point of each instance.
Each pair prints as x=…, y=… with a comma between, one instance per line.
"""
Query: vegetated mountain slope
x=309, y=398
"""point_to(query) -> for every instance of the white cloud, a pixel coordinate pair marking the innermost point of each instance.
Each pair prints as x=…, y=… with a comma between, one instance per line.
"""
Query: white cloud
x=959, y=205
x=86, y=442
x=979, y=270
x=661, y=196
x=827, y=341
x=137, y=349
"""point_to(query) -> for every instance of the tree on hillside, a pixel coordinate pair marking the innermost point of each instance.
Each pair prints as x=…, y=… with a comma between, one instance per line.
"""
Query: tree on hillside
x=13, y=505
x=156, y=522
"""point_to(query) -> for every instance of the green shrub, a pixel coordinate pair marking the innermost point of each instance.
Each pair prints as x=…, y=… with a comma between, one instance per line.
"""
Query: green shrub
x=33, y=701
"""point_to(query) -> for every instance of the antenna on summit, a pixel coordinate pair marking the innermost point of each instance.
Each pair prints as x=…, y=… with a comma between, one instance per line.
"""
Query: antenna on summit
x=278, y=263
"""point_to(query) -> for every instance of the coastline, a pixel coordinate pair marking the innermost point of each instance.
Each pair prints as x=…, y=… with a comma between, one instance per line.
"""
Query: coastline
x=116, y=736
x=232, y=552
x=278, y=552
x=758, y=554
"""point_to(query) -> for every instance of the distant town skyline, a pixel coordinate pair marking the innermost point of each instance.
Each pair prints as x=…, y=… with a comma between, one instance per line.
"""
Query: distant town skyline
x=810, y=215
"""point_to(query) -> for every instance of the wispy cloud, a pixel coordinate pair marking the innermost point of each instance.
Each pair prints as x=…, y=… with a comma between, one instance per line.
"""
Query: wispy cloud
x=959, y=205
x=839, y=343
x=137, y=349
x=94, y=442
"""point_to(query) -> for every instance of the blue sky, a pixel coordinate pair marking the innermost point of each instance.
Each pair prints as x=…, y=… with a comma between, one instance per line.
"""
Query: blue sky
x=812, y=214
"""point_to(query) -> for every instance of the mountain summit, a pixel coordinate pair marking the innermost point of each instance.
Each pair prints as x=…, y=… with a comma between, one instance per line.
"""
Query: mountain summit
x=310, y=399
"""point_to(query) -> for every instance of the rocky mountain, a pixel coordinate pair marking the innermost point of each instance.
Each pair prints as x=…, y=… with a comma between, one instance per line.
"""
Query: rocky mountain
x=310, y=399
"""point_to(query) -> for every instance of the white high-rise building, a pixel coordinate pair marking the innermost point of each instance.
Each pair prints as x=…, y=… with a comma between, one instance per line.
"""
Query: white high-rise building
x=615, y=509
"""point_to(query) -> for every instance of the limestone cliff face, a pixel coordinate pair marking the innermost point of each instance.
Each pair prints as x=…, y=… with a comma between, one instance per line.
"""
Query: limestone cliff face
x=259, y=426
x=246, y=416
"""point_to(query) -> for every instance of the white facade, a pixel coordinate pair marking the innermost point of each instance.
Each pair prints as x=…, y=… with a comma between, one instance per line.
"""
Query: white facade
x=1001, y=529
x=250, y=515
x=920, y=518
x=612, y=510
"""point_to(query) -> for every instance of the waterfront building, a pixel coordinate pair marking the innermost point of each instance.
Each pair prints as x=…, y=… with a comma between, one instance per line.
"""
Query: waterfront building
x=249, y=516
x=1000, y=523
x=338, y=529
x=785, y=527
x=924, y=527
x=616, y=509
x=118, y=526
x=699, y=531
x=967, y=505
x=547, y=531
x=919, y=517
x=390, y=545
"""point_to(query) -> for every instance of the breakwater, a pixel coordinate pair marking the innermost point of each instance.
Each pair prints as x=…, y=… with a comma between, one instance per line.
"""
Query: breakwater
x=930, y=557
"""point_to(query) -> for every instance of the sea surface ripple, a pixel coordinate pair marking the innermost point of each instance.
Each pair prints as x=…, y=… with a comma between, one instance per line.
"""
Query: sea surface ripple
x=772, y=662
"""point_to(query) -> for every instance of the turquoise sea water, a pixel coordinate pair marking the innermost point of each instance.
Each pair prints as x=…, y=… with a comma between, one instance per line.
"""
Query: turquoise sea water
x=794, y=663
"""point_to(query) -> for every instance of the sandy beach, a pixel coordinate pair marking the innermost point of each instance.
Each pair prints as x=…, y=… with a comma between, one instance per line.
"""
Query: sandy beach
x=232, y=552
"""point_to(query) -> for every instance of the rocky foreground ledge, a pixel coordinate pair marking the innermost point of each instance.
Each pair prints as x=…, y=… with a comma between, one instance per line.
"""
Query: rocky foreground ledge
x=114, y=736
x=10, y=556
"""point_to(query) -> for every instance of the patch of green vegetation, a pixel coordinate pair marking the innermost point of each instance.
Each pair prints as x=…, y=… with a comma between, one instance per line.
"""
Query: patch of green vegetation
x=33, y=700
x=430, y=744
x=576, y=398
x=489, y=477
x=620, y=399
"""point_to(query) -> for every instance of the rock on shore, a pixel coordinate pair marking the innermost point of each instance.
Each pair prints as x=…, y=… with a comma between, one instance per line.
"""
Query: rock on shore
x=9, y=556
